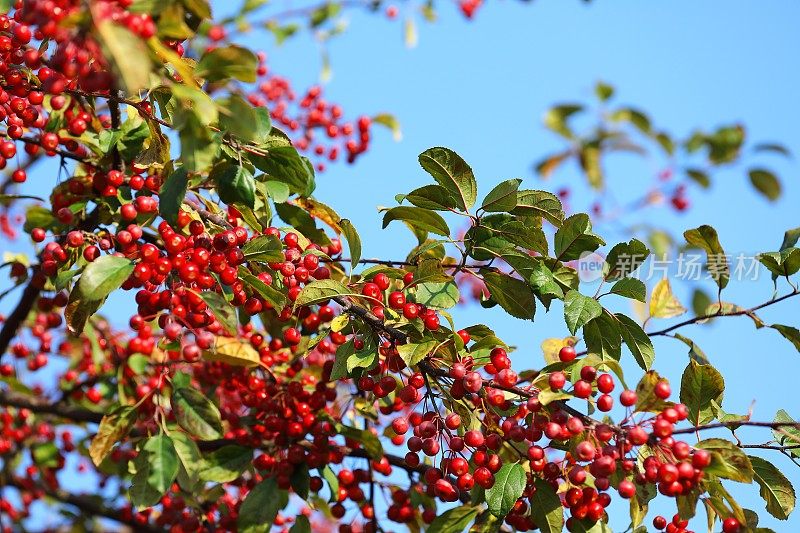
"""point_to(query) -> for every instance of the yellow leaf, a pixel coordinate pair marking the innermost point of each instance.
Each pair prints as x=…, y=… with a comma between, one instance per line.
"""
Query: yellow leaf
x=551, y=347
x=664, y=304
x=234, y=352
x=127, y=54
x=410, y=31
x=339, y=322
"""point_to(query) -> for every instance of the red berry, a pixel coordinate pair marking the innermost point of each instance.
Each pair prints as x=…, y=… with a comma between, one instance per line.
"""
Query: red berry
x=662, y=389
x=567, y=354
x=730, y=525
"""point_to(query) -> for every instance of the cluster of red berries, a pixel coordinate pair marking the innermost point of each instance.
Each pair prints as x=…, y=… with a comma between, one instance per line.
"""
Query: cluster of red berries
x=317, y=126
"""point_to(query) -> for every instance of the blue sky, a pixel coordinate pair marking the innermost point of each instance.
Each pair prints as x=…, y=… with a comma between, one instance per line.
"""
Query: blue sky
x=480, y=88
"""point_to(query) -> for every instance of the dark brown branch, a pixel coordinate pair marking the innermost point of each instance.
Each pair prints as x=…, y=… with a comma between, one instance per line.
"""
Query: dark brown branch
x=771, y=447
x=63, y=153
x=43, y=406
x=719, y=313
x=85, y=504
x=17, y=317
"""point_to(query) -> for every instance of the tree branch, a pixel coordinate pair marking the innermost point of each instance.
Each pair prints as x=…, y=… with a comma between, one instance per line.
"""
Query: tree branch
x=719, y=313
x=85, y=504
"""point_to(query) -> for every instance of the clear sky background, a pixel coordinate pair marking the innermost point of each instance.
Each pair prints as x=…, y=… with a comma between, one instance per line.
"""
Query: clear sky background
x=480, y=87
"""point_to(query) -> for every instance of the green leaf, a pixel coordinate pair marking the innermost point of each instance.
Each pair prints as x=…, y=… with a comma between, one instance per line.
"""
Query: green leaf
x=630, y=288
x=282, y=163
x=423, y=219
x=198, y=147
x=705, y=237
x=546, y=509
x=727, y=460
x=221, y=309
x=234, y=184
x=503, y=197
x=333, y=482
x=197, y=101
x=507, y=489
x=787, y=435
x=104, y=275
x=353, y=241
x=452, y=173
x=323, y=13
x=548, y=396
x=172, y=24
x=195, y=413
x=575, y=237
x=638, y=342
x=264, y=249
x=190, y=459
x=776, y=489
x=634, y=116
x=113, y=427
x=239, y=118
x=414, y=353
x=371, y=443
x=700, y=385
x=391, y=122
x=433, y=197
x=156, y=468
x=513, y=295
x=79, y=309
x=172, y=194
x=45, y=454
x=580, y=309
x=625, y=258
x=270, y=294
x=784, y=263
x=539, y=204
x=301, y=525
x=603, y=91
x=301, y=481
x=230, y=61
x=603, y=337
x=133, y=133
x=261, y=506
x=790, y=333
x=226, y=463
x=790, y=238
x=321, y=290
x=700, y=177
x=200, y=8
x=277, y=190
x=544, y=283
x=664, y=304
x=499, y=234
x=695, y=352
x=302, y=221
x=438, y=295
x=556, y=118
x=766, y=183
x=455, y=520
x=37, y=216
x=127, y=55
